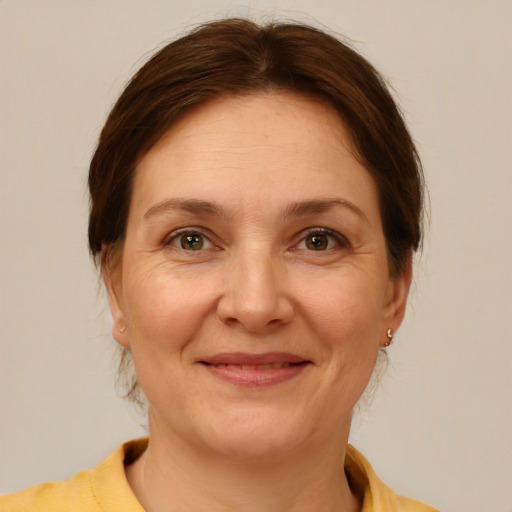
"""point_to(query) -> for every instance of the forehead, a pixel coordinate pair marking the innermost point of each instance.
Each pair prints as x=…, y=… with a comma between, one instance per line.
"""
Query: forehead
x=278, y=143
x=266, y=116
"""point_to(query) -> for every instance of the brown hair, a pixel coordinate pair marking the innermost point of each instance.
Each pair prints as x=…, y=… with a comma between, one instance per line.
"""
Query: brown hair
x=237, y=56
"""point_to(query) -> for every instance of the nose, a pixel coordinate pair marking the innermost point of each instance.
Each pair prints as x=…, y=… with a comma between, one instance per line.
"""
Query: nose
x=255, y=294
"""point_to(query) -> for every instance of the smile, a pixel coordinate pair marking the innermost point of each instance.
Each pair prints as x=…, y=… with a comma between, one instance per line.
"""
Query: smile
x=270, y=366
x=251, y=370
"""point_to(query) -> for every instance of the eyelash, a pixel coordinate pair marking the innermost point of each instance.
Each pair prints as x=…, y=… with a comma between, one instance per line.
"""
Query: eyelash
x=190, y=231
x=340, y=240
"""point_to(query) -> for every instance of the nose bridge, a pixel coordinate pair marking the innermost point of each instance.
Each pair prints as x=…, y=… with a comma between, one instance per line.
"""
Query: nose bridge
x=255, y=295
x=256, y=284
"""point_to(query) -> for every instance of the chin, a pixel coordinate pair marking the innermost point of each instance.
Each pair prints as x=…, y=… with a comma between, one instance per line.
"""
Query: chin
x=256, y=435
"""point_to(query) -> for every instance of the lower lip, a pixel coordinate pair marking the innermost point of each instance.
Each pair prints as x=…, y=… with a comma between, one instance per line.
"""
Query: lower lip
x=256, y=378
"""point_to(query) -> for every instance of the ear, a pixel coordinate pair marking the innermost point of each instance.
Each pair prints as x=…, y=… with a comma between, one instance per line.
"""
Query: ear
x=111, y=273
x=396, y=299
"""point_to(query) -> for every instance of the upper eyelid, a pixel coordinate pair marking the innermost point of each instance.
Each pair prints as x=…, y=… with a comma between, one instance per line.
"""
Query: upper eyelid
x=324, y=231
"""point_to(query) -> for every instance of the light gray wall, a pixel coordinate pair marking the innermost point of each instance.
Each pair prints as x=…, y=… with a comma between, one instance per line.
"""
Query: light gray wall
x=439, y=427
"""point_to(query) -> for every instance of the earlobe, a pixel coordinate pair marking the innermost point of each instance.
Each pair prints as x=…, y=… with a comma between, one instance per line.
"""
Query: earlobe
x=397, y=301
x=112, y=278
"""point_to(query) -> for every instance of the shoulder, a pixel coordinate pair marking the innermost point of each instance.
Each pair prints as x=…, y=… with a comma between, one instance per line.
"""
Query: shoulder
x=101, y=489
x=375, y=494
x=55, y=497
x=409, y=505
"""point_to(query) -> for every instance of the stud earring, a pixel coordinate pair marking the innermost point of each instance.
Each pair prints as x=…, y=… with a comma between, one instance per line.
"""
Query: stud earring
x=389, y=334
x=122, y=329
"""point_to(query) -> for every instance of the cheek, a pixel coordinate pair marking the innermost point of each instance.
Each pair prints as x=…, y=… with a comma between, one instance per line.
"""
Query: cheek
x=342, y=317
x=164, y=316
x=165, y=312
x=345, y=312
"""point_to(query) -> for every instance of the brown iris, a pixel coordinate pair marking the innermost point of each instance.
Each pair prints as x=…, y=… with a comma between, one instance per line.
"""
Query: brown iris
x=317, y=242
x=192, y=241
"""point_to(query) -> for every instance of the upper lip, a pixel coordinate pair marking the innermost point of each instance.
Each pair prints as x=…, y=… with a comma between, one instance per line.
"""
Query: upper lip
x=241, y=358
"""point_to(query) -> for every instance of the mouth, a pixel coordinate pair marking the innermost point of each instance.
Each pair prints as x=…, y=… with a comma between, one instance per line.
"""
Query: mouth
x=255, y=370
x=269, y=366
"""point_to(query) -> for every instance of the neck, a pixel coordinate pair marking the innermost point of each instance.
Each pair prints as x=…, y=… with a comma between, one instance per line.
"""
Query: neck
x=172, y=476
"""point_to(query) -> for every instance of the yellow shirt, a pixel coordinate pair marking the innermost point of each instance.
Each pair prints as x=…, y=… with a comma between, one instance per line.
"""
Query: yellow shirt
x=105, y=488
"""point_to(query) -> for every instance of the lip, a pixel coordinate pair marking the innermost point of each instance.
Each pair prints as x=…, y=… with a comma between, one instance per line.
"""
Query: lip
x=232, y=367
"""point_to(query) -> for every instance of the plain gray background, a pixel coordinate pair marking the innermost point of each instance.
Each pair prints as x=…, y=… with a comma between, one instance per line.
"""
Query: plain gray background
x=439, y=427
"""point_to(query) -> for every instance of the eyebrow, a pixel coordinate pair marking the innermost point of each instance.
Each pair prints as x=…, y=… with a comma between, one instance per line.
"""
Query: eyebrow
x=298, y=209
x=196, y=206
x=302, y=208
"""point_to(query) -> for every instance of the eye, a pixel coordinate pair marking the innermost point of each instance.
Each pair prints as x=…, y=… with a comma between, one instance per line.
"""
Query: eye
x=189, y=241
x=322, y=240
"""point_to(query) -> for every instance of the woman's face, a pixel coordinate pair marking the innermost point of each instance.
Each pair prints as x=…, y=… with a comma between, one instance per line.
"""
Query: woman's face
x=254, y=290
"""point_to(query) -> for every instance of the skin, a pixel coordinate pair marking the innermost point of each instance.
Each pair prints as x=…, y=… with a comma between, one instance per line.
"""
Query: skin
x=279, y=168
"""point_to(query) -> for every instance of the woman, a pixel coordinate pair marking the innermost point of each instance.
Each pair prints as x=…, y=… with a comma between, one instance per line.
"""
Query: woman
x=255, y=202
